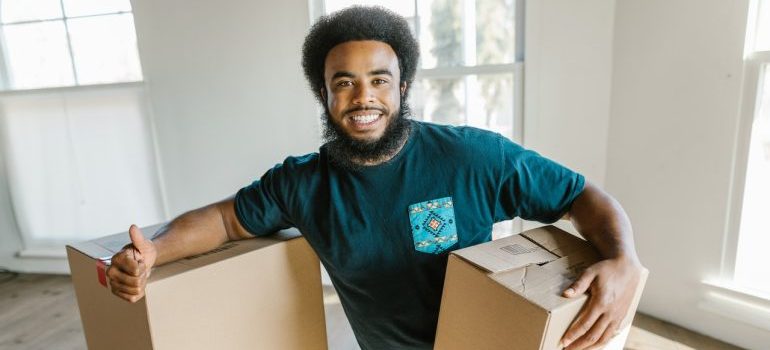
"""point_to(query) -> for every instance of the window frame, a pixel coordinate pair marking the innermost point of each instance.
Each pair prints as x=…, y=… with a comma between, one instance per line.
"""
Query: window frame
x=755, y=65
x=5, y=74
x=723, y=294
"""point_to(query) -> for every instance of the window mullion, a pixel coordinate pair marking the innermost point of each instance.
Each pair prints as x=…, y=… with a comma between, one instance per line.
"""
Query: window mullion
x=454, y=72
x=69, y=43
x=5, y=78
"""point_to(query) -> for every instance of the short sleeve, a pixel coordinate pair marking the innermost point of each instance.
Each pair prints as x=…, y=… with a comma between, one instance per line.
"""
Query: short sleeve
x=260, y=206
x=533, y=187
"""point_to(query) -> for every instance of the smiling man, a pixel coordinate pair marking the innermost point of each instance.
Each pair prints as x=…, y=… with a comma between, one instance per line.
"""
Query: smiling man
x=386, y=198
x=362, y=93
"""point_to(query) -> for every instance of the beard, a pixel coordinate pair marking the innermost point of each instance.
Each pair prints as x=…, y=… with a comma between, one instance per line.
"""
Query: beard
x=350, y=153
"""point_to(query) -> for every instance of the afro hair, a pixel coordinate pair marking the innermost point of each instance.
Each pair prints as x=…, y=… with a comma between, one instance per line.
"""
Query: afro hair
x=358, y=23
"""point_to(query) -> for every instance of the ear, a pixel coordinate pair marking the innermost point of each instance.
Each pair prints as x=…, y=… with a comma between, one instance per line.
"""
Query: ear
x=323, y=94
x=403, y=88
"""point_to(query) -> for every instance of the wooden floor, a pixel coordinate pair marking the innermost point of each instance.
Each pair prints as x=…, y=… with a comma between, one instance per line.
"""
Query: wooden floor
x=40, y=312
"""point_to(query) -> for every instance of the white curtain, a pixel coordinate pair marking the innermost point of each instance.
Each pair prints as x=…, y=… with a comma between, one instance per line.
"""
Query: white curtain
x=80, y=163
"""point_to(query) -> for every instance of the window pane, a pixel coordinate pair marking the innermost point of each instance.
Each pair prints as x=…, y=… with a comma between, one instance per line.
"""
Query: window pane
x=752, y=266
x=491, y=103
x=484, y=101
x=440, y=33
x=104, y=48
x=440, y=100
x=94, y=7
x=495, y=31
x=29, y=10
x=37, y=55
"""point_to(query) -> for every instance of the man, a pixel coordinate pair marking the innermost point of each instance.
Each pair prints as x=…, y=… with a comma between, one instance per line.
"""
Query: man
x=389, y=197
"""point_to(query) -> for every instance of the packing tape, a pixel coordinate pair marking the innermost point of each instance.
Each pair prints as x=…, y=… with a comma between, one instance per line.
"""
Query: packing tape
x=101, y=272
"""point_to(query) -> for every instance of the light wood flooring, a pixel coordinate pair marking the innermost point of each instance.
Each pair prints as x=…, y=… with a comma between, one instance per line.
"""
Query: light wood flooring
x=39, y=312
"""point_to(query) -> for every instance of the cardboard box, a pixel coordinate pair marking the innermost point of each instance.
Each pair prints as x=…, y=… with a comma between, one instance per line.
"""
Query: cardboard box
x=506, y=294
x=261, y=293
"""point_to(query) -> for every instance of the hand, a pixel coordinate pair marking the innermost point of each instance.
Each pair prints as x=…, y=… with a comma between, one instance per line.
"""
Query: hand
x=612, y=284
x=131, y=267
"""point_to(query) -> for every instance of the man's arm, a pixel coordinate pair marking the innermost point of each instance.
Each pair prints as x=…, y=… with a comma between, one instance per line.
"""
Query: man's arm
x=612, y=282
x=194, y=232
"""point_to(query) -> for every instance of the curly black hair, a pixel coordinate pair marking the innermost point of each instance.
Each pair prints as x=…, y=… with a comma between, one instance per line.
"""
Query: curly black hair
x=358, y=23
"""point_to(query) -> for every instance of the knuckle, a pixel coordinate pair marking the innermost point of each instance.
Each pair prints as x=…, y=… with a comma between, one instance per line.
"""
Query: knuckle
x=592, y=338
x=584, y=328
x=607, y=299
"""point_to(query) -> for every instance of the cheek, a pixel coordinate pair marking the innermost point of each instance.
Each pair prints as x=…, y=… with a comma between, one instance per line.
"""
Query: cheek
x=395, y=99
x=338, y=100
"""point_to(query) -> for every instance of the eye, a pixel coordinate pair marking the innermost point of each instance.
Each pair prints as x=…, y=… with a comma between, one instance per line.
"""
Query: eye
x=344, y=83
x=379, y=81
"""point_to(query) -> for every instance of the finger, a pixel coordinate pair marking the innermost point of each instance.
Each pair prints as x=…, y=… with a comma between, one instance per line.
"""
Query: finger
x=593, y=335
x=116, y=275
x=137, y=239
x=126, y=289
x=128, y=265
x=581, y=285
x=611, y=332
x=128, y=297
x=583, y=322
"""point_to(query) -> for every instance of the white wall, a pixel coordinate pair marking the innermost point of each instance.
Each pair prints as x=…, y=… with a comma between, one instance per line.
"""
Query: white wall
x=228, y=96
x=567, y=76
x=675, y=103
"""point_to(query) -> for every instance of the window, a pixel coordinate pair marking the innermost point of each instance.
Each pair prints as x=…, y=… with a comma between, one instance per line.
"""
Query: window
x=745, y=263
x=470, y=61
x=53, y=43
x=77, y=147
x=752, y=265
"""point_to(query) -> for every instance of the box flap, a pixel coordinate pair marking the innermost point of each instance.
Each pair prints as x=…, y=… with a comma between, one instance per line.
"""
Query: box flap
x=103, y=248
x=505, y=254
x=538, y=264
x=556, y=241
x=543, y=285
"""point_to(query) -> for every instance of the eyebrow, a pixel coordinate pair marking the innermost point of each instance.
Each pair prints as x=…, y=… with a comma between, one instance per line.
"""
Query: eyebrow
x=346, y=74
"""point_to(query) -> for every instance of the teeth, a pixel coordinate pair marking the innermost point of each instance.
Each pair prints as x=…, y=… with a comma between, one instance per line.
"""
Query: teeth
x=365, y=118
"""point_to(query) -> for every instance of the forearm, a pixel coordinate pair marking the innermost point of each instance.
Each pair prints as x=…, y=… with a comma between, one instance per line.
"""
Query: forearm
x=194, y=232
x=604, y=223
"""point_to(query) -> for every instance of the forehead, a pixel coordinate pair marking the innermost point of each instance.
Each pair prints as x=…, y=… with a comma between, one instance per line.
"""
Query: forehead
x=360, y=57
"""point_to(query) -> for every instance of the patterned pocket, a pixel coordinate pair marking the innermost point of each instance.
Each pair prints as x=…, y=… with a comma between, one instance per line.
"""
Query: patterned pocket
x=433, y=225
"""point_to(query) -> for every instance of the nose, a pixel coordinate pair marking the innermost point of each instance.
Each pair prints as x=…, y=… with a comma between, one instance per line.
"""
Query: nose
x=363, y=94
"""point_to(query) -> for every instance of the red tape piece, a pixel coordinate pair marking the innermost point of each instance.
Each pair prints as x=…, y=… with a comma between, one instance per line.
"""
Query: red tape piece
x=101, y=272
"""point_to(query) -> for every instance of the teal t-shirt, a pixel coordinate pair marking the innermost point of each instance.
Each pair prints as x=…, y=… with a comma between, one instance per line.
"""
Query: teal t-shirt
x=384, y=232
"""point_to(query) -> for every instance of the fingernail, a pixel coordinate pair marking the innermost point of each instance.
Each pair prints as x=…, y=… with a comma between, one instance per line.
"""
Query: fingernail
x=570, y=291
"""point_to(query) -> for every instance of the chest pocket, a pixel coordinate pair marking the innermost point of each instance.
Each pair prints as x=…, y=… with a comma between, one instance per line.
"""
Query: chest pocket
x=433, y=225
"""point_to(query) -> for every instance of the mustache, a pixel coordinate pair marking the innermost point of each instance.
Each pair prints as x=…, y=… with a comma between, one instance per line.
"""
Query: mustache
x=364, y=108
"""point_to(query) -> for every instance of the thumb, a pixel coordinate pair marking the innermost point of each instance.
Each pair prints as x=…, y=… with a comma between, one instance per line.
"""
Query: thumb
x=581, y=285
x=140, y=243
